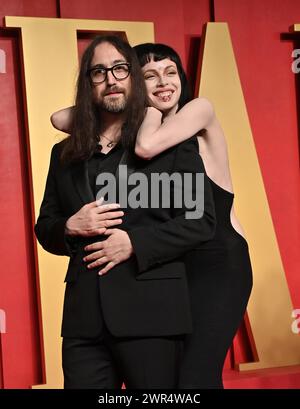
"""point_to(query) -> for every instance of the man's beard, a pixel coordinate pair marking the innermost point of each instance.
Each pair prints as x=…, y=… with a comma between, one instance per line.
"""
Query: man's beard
x=113, y=105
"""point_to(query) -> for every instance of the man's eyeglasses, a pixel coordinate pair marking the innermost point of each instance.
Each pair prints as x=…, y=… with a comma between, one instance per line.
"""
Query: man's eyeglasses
x=98, y=73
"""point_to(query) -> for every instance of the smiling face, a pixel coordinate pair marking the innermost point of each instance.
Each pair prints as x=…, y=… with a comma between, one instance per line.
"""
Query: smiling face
x=163, y=85
x=112, y=94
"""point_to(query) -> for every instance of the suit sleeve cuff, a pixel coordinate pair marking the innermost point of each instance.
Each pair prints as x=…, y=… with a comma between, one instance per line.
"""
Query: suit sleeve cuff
x=138, y=244
x=66, y=243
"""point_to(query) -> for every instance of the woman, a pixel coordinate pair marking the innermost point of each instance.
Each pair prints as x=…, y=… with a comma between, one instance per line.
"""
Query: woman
x=219, y=271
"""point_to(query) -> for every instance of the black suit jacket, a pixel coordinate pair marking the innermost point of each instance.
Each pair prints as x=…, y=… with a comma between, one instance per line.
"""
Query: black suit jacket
x=146, y=295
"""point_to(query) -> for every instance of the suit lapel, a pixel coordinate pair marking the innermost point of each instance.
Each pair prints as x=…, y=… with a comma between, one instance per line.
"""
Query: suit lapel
x=81, y=182
x=81, y=178
x=129, y=162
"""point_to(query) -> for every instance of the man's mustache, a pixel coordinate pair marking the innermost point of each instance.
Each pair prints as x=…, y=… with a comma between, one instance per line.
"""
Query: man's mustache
x=113, y=90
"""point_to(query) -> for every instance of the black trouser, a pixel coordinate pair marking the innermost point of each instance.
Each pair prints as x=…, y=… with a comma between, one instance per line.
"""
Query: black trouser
x=107, y=361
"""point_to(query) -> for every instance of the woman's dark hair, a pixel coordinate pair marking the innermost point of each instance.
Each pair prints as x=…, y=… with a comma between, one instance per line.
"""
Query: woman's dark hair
x=149, y=51
x=86, y=124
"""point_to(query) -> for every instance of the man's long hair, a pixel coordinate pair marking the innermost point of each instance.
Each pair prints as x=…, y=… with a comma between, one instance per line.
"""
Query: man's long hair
x=86, y=123
x=147, y=52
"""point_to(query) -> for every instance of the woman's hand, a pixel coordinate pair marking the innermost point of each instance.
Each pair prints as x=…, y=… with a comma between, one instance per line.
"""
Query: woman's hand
x=152, y=110
x=93, y=219
x=144, y=146
x=112, y=251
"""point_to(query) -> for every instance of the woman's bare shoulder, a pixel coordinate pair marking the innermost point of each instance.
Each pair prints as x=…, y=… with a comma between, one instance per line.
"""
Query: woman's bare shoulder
x=201, y=103
x=201, y=109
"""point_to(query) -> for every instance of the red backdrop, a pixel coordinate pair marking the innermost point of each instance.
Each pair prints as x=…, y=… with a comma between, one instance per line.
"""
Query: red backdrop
x=263, y=51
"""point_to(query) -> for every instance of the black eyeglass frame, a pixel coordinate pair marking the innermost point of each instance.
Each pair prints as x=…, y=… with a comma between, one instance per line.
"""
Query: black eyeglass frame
x=99, y=66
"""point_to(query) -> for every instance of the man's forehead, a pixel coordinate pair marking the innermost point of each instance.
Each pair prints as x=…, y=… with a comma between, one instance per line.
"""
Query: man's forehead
x=106, y=54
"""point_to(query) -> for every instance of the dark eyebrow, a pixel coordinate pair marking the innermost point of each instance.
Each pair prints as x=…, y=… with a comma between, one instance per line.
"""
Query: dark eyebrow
x=96, y=66
x=171, y=66
x=119, y=61
x=113, y=63
x=166, y=68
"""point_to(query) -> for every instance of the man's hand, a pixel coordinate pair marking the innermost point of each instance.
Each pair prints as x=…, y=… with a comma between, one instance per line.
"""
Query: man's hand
x=93, y=219
x=115, y=249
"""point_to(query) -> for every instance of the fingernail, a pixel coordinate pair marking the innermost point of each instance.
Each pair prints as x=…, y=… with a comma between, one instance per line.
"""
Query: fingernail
x=100, y=274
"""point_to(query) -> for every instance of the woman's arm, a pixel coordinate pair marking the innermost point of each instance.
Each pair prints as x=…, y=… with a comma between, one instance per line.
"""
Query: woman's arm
x=62, y=119
x=154, y=137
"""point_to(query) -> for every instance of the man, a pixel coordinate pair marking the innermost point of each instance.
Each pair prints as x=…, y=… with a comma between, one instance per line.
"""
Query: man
x=126, y=324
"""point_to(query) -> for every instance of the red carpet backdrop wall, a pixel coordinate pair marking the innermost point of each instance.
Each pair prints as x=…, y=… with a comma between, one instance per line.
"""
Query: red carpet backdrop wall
x=263, y=42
